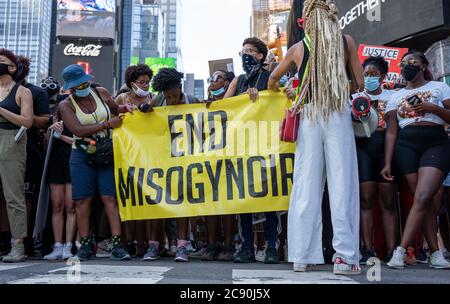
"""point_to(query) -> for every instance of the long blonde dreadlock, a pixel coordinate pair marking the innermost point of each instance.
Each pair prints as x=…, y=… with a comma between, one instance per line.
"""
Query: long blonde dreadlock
x=329, y=87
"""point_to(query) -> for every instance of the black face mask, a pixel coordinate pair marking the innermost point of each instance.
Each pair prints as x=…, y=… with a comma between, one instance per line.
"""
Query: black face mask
x=4, y=69
x=410, y=72
x=250, y=64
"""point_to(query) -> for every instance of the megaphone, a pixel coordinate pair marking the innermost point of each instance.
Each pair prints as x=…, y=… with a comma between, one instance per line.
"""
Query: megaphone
x=364, y=117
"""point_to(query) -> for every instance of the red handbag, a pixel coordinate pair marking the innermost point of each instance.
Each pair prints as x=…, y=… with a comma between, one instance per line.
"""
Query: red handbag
x=289, y=127
x=290, y=124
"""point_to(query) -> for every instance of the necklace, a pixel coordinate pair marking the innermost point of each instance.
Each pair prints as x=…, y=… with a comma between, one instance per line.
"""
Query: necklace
x=8, y=91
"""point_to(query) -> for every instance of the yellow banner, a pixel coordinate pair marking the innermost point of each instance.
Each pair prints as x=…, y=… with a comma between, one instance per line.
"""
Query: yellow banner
x=200, y=159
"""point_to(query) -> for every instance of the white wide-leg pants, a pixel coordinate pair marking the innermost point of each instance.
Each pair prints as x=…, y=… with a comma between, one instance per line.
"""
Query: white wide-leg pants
x=325, y=151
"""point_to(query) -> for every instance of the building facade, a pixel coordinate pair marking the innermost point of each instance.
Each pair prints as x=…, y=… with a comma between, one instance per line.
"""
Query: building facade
x=25, y=29
x=199, y=89
x=143, y=32
x=267, y=15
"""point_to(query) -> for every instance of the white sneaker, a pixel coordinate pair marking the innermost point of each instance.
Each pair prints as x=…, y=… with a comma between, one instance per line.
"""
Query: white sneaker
x=342, y=268
x=56, y=254
x=260, y=255
x=438, y=261
x=67, y=251
x=398, y=258
x=300, y=267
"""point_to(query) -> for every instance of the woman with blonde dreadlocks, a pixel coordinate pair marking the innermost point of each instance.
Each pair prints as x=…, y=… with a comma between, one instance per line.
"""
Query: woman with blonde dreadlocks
x=325, y=142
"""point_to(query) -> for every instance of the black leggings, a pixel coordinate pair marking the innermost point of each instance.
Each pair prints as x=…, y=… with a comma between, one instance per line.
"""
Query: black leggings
x=422, y=146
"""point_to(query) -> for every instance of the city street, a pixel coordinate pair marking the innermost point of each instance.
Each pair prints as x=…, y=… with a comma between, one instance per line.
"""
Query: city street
x=166, y=271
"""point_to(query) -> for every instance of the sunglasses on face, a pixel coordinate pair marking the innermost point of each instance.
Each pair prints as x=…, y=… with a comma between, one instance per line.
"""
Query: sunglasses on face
x=215, y=78
x=142, y=82
x=247, y=51
x=83, y=86
x=51, y=86
x=404, y=63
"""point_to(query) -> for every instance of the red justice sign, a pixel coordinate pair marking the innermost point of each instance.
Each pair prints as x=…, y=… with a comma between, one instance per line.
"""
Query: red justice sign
x=392, y=55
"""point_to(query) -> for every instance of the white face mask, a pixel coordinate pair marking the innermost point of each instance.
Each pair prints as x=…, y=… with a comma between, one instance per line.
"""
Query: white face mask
x=139, y=92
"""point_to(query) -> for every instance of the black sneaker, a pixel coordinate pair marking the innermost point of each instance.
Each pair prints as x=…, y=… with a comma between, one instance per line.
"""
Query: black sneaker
x=271, y=256
x=211, y=253
x=84, y=253
x=328, y=254
x=245, y=255
x=119, y=253
x=421, y=256
x=131, y=249
x=366, y=254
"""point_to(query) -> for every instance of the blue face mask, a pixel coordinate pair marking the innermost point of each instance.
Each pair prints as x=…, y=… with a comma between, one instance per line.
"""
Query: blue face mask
x=372, y=83
x=218, y=92
x=83, y=93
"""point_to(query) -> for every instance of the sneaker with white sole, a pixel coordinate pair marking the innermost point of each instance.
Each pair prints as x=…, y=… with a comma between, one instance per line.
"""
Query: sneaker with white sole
x=438, y=261
x=104, y=249
x=182, y=254
x=300, y=267
x=260, y=255
x=67, y=251
x=398, y=258
x=56, y=254
x=342, y=268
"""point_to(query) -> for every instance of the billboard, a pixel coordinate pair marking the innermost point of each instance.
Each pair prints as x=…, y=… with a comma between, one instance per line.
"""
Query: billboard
x=95, y=58
x=95, y=19
x=392, y=55
x=157, y=64
x=278, y=26
x=88, y=5
x=377, y=21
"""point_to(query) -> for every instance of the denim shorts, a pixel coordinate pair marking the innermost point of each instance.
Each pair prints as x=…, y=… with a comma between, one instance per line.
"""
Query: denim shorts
x=87, y=179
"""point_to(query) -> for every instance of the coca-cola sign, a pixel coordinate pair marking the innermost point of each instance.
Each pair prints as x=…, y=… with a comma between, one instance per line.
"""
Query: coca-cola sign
x=89, y=50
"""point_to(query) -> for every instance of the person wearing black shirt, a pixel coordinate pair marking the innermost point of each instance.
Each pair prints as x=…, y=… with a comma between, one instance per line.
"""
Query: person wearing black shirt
x=255, y=79
x=35, y=148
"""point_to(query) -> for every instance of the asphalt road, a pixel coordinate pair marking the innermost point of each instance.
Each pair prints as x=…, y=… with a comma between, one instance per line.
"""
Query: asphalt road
x=166, y=271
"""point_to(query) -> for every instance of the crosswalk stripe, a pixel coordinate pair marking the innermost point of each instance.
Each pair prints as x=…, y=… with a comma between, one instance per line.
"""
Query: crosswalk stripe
x=249, y=276
x=98, y=274
x=4, y=267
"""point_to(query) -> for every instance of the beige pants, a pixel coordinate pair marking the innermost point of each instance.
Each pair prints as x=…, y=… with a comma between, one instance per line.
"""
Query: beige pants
x=12, y=173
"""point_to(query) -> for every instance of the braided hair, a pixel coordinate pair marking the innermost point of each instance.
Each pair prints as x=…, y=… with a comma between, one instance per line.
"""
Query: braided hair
x=329, y=87
x=166, y=79
x=379, y=62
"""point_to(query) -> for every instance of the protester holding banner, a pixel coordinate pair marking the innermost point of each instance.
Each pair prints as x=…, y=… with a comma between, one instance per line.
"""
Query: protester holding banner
x=422, y=151
x=325, y=141
x=255, y=79
x=218, y=86
x=219, y=83
x=168, y=84
x=373, y=188
x=87, y=114
x=16, y=115
x=137, y=79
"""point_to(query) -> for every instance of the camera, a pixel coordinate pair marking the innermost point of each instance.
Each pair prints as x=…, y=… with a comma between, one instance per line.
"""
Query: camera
x=145, y=107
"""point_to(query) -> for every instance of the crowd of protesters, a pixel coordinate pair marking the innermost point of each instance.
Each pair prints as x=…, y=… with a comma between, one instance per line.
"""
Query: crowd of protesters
x=408, y=152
